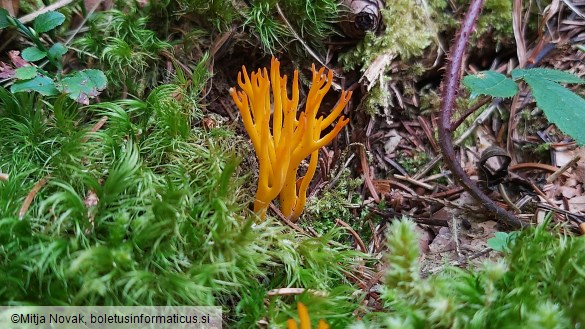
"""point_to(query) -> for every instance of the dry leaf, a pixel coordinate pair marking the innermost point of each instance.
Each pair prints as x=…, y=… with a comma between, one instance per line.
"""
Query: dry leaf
x=11, y=6
x=577, y=204
x=393, y=140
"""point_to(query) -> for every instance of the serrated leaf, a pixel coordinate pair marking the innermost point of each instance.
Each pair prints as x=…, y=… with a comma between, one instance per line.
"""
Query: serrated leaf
x=33, y=54
x=48, y=21
x=57, y=50
x=548, y=74
x=4, y=18
x=491, y=83
x=41, y=84
x=561, y=106
x=25, y=72
x=83, y=85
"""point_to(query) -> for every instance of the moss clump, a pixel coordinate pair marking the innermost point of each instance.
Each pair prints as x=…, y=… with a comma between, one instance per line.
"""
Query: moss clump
x=129, y=52
x=412, y=163
x=219, y=14
x=309, y=19
x=332, y=204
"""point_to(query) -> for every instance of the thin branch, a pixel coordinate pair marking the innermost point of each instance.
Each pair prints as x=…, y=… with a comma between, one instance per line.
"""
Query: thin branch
x=31, y=17
x=31, y=195
x=449, y=95
x=356, y=236
x=470, y=111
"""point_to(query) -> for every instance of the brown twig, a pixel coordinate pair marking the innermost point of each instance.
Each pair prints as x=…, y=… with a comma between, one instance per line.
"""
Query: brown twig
x=367, y=176
x=449, y=95
x=288, y=222
x=534, y=165
x=31, y=195
x=353, y=233
x=541, y=194
x=294, y=291
x=98, y=125
x=470, y=111
x=30, y=17
x=415, y=182
x=561, y=170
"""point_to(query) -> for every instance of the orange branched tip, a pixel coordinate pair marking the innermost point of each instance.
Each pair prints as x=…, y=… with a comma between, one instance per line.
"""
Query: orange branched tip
x=282, y=140
x=305, y=319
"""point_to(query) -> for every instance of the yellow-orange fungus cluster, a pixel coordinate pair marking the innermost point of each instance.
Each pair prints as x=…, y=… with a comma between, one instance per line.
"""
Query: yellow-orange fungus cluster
x=281, y=139
x=305, y=320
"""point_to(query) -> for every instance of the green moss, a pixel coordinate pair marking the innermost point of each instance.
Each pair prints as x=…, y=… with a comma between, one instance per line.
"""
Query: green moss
x=219, y=14
x=412, y=163
x=322, y=211
x=130, y=53
x=310, y=20
x=378, y=97
x=495, y=18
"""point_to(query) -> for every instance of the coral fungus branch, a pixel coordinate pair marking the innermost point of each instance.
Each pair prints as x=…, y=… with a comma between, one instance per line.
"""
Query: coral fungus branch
x=449, y=95
x=283, y=143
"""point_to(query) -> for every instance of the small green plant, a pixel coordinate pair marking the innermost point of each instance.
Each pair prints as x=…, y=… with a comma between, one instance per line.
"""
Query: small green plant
x=501, y=240
x=265, y=24
x=80, y=86
x=412, y=162
x=561, y=106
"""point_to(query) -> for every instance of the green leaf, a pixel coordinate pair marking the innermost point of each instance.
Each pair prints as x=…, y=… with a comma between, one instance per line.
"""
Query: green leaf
x=83, y=85
x=26, y=72
x=561, y=106
x=57, y=50
x=501, y=240
x=491, y=83
x=548, y=74
x=41, y=84
x=4, y=18
x=48, y=21
x=33, y=54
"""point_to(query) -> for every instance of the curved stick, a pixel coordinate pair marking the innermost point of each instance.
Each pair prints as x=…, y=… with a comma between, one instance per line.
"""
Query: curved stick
x=451, y=83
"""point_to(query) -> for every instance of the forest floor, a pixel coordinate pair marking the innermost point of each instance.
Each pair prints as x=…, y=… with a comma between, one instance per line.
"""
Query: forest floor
x=170, y=66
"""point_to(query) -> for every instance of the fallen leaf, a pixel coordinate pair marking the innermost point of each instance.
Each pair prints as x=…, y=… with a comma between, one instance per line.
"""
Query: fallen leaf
x=577, y=204
x=443, y=241
x=567, y=192
x=393, y=140
x=15, y=58
x=6, y=72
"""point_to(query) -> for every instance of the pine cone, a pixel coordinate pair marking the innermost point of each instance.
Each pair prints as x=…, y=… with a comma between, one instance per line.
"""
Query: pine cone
x=361, y=16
